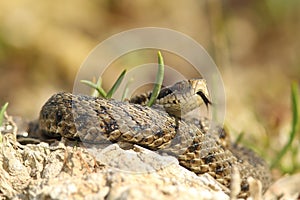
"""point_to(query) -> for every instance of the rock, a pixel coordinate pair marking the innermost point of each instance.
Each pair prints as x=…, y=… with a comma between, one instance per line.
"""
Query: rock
x=60, y=171
x=286, y=187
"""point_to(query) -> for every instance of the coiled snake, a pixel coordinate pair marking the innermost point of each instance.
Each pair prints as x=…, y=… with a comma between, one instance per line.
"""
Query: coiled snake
x=198, y=147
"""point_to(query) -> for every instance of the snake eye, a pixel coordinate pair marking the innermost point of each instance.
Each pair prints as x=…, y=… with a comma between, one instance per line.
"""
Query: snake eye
x=204, y=98
x=164, y=92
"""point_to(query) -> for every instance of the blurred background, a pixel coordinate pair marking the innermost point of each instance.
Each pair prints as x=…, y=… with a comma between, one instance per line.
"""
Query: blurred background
x=254, y=43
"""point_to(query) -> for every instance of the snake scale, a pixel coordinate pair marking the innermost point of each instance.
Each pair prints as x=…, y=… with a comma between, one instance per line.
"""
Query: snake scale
x=197, y=146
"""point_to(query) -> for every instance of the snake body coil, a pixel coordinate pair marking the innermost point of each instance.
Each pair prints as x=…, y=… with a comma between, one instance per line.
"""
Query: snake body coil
x=197, y=147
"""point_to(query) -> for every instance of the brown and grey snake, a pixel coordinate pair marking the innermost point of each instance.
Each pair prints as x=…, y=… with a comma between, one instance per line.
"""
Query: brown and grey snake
x=198, y=147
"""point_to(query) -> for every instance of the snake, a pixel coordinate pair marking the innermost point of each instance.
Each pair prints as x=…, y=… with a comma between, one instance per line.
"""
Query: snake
x=199, y=145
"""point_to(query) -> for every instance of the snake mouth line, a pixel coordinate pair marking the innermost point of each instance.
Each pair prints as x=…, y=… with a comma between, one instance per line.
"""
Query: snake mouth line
x=204, y=98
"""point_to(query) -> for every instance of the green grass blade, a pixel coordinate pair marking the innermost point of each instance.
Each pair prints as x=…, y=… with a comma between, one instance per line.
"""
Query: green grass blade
x=294, y=125
x=125, y=92
x=116, y=85
x=99, y=89
x=239, y=138
x=159, y=79
x=95, y=92
x=2, y=111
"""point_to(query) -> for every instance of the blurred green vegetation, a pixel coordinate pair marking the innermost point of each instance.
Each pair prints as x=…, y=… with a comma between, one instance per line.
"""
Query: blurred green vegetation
x=254, y=43
x=292, y=135
x=2, y=111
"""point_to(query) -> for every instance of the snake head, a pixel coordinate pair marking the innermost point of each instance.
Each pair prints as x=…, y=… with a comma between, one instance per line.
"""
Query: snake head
x=184, y=96
x=180, y=98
